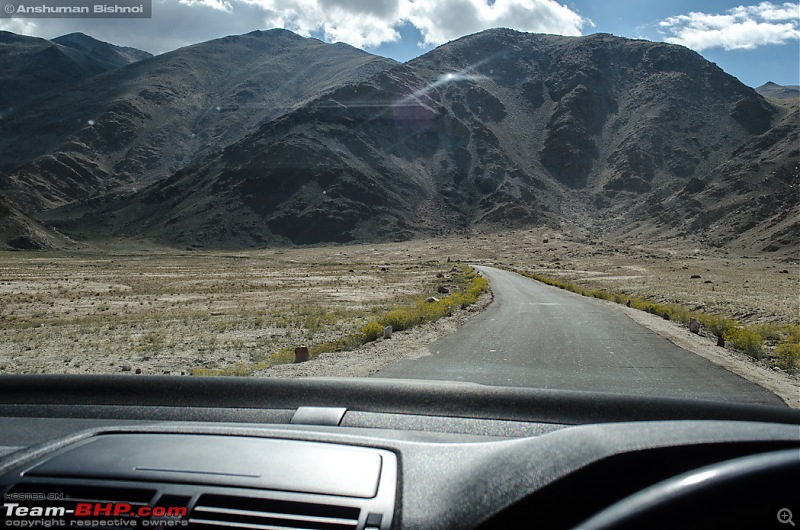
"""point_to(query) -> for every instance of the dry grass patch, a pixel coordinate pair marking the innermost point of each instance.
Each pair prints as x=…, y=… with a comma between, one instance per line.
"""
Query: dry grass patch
x=780, y=343
x=174, y=312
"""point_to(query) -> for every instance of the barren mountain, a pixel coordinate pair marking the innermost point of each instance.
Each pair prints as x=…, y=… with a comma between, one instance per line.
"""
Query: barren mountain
x=102, y=52
x=20, y=231
x=781, y=92
x=31, y=67
x=127, y=127
x=496, y=129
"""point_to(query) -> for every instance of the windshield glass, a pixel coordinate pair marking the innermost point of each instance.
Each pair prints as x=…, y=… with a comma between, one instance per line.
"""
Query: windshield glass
x=512, y=193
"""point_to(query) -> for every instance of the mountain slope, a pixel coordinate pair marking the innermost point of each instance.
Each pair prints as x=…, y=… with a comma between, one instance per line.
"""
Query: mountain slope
x=19, y=231
x=102, y=52
x=496, y=129
x=776, y=91
x=130, y=126
x=30, y=66
x=753, y=201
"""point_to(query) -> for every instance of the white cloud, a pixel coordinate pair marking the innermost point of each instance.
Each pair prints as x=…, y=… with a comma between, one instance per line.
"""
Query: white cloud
x=369, y=23
x=174, y=24
x=378, y=8
x=768, y=11
x=445, y=20
x=360, y=23
x=743, y=27
x=219, y=5
x=20, y=26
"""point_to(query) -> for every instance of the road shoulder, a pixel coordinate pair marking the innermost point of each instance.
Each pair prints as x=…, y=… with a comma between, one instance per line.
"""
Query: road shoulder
x=785, y=386
x=376, y=355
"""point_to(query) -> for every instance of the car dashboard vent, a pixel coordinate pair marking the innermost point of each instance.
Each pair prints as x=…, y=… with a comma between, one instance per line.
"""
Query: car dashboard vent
x=223, y=511
x=212, y=481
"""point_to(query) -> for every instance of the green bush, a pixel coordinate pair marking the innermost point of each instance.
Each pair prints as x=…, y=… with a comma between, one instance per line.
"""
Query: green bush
x=681, y=314
x=788, y=354
x=479, y=285
x=600, y=294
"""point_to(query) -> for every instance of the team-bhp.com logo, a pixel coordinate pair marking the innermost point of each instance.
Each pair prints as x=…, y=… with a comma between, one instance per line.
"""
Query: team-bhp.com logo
x=93, y=515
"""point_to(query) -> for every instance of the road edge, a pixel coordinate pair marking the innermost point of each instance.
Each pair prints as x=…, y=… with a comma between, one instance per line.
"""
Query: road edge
x=779, y=383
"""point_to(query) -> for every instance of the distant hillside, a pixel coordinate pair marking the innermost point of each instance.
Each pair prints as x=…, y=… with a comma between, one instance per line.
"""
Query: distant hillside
x=496, y=129
x=19, y=231
x=102, y=52
x=775, y=91
x=31, y=67
x=127, y=127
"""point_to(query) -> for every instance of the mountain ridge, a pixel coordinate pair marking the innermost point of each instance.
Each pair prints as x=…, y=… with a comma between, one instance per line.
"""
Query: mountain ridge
x=495, y=130
x=453, y=140
x=31, y=66
x=127, y=127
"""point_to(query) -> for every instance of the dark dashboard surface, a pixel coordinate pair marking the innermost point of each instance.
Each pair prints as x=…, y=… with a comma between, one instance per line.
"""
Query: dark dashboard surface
x=391, y=454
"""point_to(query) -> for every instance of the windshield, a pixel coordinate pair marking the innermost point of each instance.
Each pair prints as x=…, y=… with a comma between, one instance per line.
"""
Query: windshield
x=511, y=193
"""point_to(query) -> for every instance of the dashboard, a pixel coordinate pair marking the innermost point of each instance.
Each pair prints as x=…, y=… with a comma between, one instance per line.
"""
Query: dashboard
x=110, y=451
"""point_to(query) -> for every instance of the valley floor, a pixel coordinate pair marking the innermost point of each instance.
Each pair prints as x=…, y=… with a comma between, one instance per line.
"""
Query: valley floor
x=118, y=308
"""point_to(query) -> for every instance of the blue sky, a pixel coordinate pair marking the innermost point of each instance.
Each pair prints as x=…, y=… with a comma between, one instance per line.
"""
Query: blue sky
x=756, y=41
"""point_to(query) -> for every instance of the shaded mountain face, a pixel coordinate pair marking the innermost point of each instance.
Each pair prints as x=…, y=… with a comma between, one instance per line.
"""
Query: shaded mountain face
x=20, y=231
x=752, y=201
x=102, y=52
x=127, y=127
x=31, y=66
x=493, y=130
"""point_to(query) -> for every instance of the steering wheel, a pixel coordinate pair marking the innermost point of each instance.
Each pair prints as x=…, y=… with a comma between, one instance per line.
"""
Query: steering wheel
x=747, y=492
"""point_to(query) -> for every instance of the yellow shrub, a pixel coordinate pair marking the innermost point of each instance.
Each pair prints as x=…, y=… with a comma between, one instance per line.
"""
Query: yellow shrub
x=788, y=351
x=399, y=319
x=718, y=325
x=746, y=340
x=788, y=354
x=768, y=331
x=372, y=331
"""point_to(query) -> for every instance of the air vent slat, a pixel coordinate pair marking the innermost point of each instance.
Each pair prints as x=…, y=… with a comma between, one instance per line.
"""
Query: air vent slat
x=268, y=514
x=230, y=524
x=275, y=515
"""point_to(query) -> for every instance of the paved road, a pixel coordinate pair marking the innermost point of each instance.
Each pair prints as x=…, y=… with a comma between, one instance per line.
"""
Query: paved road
x=533, y=335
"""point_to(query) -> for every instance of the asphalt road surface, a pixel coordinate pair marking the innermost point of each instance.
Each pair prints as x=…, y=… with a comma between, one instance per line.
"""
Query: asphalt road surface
x=533, y=335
